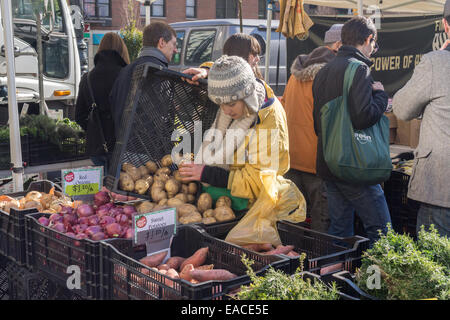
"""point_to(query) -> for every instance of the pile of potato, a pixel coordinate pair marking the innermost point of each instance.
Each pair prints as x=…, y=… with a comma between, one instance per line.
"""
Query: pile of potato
x=167, y=189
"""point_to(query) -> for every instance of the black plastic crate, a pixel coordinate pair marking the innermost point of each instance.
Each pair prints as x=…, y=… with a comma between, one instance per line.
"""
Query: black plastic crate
x=159, y=103
x=44, y=152
x=26, y=285
x=5, y=152
x=4, y=283
x=52, y=252
x=12, y=225
x=123, y=277
x=347, y=287
x=324, y=253
x=402, y=209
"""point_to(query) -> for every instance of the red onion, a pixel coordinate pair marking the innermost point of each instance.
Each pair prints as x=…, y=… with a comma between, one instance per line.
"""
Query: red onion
x=129, y=234
x=66, y=210
x=80, y=228
x=98, y=236
x=55, y=218
x=113, y=230
x=101, y=198
x=44, y=221
x=69, y=219
x=90, y=231
x=71, y=234
x=129, y=210
x=122, y=219
x=101, y=212
x=81, y=236
x=106, y=220
x=59, y=227
x=93, y=220
x=85, y=210
x=115, y=211
x=83, y=220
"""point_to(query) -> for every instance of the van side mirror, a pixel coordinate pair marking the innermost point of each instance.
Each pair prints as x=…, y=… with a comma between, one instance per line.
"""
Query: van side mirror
x=3, y=53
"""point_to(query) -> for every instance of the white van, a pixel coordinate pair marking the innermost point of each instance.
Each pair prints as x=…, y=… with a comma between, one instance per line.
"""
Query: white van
x=60, y=58
x=203, y=40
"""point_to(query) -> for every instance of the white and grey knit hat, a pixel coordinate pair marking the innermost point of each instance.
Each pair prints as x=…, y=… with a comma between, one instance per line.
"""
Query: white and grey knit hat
x=231, y=79
x=333, y=34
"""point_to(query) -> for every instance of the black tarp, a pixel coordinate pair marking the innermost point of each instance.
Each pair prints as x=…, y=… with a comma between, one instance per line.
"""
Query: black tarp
x=402, y=41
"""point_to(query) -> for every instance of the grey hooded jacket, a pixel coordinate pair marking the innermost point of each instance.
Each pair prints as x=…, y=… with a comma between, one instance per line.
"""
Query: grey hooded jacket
x=428, y=94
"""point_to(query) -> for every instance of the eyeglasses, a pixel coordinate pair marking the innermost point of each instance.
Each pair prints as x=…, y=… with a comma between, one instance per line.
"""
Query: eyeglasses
x=375, y=49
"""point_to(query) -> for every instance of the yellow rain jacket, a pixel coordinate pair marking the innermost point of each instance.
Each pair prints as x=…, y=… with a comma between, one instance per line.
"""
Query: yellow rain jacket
x=260, y=180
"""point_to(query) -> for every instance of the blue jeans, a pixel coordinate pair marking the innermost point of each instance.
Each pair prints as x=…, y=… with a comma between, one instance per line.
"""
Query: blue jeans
x=439, y=216
x=368, y=202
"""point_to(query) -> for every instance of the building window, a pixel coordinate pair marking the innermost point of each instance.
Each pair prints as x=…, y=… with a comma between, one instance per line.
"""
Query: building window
x=226, y=9
x=191, y=8
x=262, y=9
x=158, y=8
x=97, y=8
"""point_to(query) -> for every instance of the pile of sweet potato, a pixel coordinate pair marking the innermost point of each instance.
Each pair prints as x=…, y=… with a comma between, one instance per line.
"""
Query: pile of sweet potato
x=267, y=248
x=192, y=269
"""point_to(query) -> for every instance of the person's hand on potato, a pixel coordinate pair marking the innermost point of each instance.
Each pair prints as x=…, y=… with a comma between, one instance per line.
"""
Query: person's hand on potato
x=190, y=171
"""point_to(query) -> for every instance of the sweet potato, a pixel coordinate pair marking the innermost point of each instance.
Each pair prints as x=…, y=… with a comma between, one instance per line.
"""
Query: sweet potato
x=205, y=267
x=293, y=254
x=175, y=262
x=163, y=266
x=258, y=247
x=281, y=250
x=185, y=272
x=215, y=274
x=154, y=260
x=173, y=273
x=197, y=259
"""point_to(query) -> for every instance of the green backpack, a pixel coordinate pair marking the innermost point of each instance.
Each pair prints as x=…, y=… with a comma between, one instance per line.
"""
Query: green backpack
x=355, y=156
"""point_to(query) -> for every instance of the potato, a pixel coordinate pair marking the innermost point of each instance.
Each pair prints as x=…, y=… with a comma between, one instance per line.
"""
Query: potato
x=143, y=170
x=204, y=202
x=158, y=184
x=145, y=207
x=134, y=173
x=158, y=194
x=126, y=182
x=209, y=220
x=208, y=213
x=141, y=186
x=194, y=217
x=223, y=201
x=151, y=166
x=224, y=214
x=177, y=176
x=192, y=188
x=172, y=186
x=148, y=178
x=174, y=202
x=184, y=188
x=166, y=161
x=163, y=170
x=181, y=196
x=190, y=198
x=159, y=207
x=11, y=204
x=163, y=202
x=126, y=166
x=164, y=177
x=186, y=209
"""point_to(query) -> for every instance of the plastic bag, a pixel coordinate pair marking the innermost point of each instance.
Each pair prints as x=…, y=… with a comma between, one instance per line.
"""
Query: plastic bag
x=279, y=199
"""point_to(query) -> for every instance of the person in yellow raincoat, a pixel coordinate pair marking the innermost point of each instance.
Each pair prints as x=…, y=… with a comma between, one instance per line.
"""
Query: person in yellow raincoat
x=247, y=151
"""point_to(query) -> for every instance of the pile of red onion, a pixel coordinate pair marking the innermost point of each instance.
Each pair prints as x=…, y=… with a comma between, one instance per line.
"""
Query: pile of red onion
x=103, y=220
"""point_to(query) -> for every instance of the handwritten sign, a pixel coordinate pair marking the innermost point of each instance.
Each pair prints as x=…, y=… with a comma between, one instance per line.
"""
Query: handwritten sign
x=155, y=230
x=82, y=181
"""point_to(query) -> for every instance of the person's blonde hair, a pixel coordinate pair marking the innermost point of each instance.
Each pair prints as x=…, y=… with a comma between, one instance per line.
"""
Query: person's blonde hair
x=112, y=41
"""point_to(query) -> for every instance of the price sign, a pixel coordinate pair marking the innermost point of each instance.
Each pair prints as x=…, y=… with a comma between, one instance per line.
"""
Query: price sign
x=155, y=230
x=82, y=181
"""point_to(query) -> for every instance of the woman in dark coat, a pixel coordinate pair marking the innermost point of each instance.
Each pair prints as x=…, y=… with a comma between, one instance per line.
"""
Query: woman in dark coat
x=111, y=57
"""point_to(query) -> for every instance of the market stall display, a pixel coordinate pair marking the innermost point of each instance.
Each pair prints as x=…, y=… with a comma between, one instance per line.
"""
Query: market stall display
x=128, y=277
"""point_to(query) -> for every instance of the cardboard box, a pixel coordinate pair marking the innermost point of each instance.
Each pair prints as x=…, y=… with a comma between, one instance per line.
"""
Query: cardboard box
x=408, y=132
x=392, y=126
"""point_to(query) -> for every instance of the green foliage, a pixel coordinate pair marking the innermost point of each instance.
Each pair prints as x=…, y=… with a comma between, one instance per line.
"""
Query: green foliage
x=435, y=247
x=131, y=35
x=277, y=285
x=407, y=273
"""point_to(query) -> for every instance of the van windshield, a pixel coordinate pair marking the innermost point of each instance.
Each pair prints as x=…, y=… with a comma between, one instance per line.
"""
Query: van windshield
x=55, y=46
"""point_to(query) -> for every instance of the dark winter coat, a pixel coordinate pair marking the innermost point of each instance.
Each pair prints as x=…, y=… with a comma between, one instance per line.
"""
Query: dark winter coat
x=365, y=105
x=108, y=64
x=119, y=94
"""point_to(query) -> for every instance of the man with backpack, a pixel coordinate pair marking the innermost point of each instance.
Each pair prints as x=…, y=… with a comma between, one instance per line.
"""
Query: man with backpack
x=366, y=103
